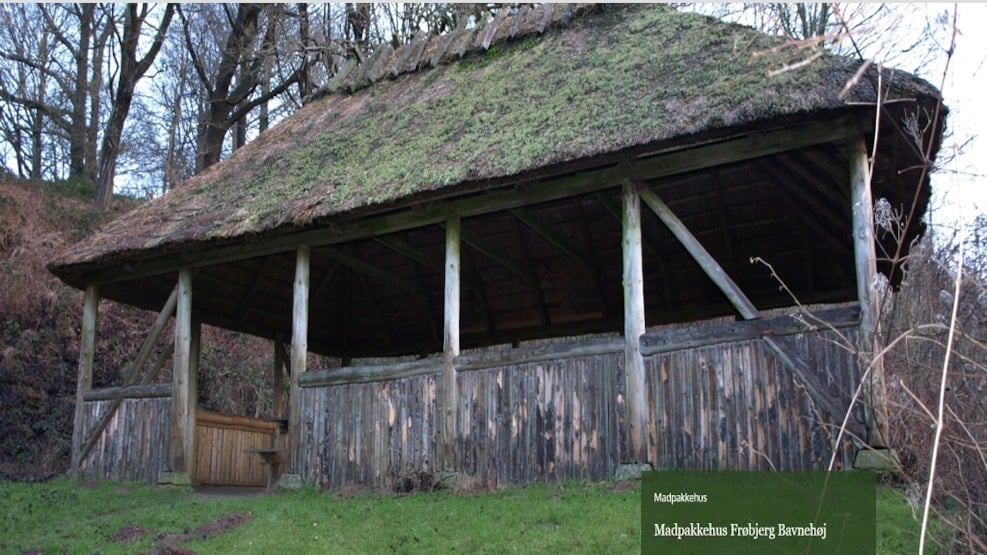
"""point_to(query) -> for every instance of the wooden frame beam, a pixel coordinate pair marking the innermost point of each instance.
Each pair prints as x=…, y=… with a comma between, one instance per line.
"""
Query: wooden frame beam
x=805, y=375
x=493, y=254
x=698, y=251
x=131, y=376
x=402, y=247
x=536, y=189
x=87, y=350
x=541, y=228
x=362, y=267
x=147, y=391
x=651, y=343
x=299, y=353
x=254, y=285
x=450, y=344
x=634, y=325
x=650, y=242
x=865, y=257
x=183, y=402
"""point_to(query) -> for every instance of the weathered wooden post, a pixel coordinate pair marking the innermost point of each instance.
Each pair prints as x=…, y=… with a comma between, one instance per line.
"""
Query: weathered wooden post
x=450, y=344
x=279, y=360
x=185, y=387
x=299, y=359
x=636, y=409
x=87, y=351
x=866, y=269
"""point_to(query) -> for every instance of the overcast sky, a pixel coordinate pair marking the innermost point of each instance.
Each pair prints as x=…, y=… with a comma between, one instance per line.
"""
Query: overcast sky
x=959, y=187
x=961, y=191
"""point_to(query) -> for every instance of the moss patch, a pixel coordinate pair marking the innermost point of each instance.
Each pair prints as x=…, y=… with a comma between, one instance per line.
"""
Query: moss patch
x=625, y=77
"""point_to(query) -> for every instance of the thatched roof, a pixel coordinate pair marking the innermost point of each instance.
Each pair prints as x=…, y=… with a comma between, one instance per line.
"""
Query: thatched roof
x=515, y=108
x=607, y=82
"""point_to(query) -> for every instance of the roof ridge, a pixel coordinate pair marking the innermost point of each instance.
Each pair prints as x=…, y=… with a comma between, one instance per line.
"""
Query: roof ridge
x=426, y=50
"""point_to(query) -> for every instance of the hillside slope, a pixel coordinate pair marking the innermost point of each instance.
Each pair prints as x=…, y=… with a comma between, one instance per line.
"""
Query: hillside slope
x=39, y=325
x=38, y=338
x=40, y=320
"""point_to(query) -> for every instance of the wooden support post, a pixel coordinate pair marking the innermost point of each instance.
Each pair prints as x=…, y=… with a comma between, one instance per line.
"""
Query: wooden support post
x=450, y=343
x=87, y=349
x=183, y=404
x=299, y=354
x=279, y=360
x=866, y=269
x=636, y=413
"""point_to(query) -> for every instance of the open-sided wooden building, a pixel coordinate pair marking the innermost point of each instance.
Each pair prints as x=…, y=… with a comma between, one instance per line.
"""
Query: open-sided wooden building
x=531, y=241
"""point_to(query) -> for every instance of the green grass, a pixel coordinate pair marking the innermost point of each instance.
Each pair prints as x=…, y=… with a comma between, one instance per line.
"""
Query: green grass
x=61, y=516
x=897, y=528
x=64, y=517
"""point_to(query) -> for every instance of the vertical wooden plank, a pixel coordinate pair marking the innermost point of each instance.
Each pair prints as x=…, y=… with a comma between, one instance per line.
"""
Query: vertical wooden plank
x=866, y=270
x=87, y=350
x=182, y=402
x=278, y=378
x=299, y=354
x=195, y=349
x=450, y=343
x=633, y=272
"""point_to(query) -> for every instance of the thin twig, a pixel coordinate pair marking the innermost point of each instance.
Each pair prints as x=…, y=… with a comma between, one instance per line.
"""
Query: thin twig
x=942, y=397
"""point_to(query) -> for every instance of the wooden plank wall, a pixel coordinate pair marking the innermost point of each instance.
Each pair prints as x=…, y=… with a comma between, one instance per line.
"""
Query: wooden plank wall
x=733, y=406
x=723, y=406
x=134, y=445
x=555, y=420
x=369, y=433
x=221, y=444
x=520, y=423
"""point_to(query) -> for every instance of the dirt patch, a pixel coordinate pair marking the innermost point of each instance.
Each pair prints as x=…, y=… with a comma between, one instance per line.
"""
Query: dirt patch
x=621, y=486
x=166, y=543
x=129, y=533
x=222, y=524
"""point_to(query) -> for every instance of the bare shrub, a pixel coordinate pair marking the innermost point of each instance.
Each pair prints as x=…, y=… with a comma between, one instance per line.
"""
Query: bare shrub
x=921, y=315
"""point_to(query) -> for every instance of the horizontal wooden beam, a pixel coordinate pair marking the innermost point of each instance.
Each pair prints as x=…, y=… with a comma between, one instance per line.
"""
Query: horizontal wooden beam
x=370, y=373
x=528, y=354
x=651, y=343
x=509, y=195
x=148, y=391
x=687, y=338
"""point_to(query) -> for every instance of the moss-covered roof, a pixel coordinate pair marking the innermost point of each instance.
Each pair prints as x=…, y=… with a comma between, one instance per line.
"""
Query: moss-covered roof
x=611, y=80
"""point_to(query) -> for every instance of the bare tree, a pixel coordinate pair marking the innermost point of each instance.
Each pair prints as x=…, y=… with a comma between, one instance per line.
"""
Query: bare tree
x=51, y=57
x=230, y=67
x=131, y=69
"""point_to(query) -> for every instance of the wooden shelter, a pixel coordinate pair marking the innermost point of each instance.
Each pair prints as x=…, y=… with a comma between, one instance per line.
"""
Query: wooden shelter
x=532, y=243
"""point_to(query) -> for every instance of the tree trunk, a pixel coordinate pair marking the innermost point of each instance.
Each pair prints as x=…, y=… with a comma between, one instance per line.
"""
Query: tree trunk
x=131, y=70
x=78, y=128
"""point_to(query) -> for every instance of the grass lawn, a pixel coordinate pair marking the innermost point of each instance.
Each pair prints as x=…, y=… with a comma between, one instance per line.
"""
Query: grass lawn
x=64, y=517
x=61, y=516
